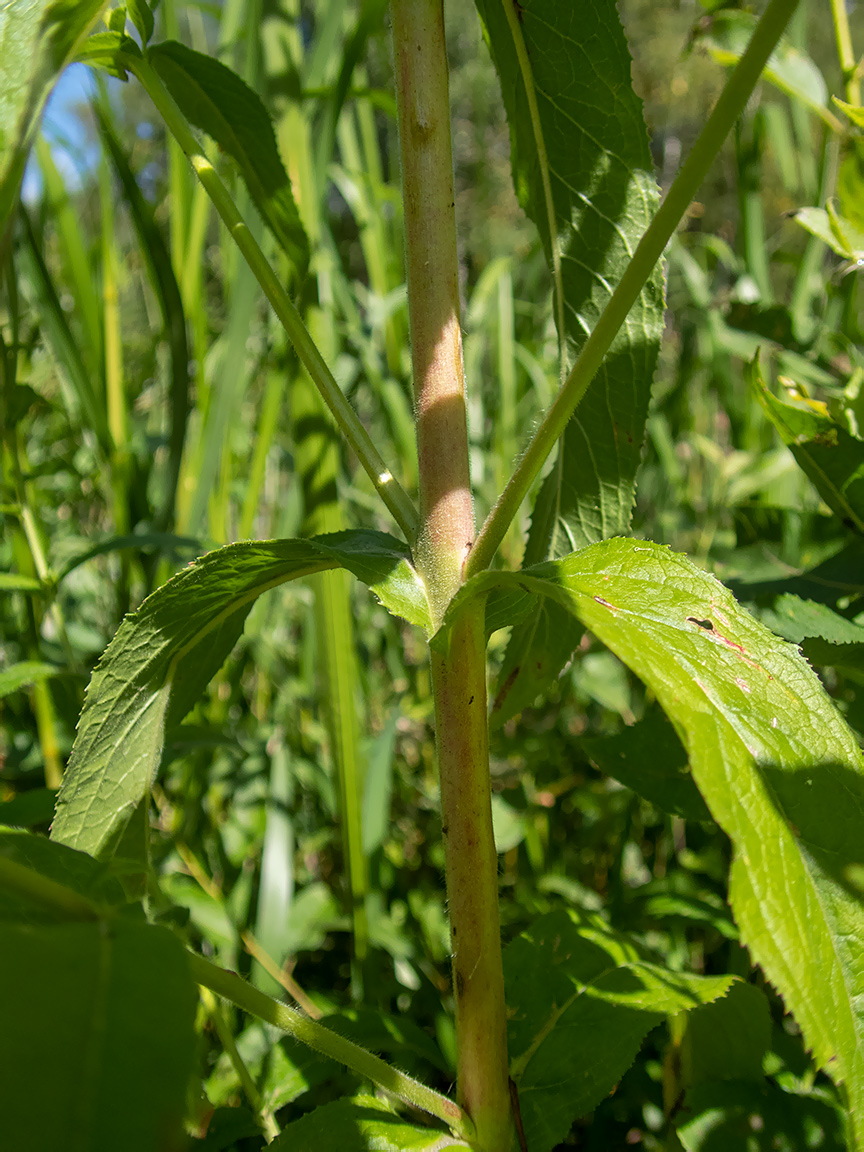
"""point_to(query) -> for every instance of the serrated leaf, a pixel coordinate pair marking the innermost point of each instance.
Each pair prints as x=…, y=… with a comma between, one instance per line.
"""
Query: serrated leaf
x=218, y=102
x=779, y=769
x=580, y=1001
x=649, y=758
x=831, y=458
x=726, y=34
x=38, y=38
x=164, y=655
x=603, y=195
x=97, y=1043
x=798, y=620
x=363, y=1124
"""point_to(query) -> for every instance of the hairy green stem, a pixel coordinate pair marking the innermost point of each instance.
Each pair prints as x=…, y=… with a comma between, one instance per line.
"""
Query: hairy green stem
x=387, y=486
x=338, y=1048
x=729, y=107
x=444, y=542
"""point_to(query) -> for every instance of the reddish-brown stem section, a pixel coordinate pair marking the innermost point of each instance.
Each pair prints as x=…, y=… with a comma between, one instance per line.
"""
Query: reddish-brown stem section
x=445, y=539
x=446, y=512
x=471, y=864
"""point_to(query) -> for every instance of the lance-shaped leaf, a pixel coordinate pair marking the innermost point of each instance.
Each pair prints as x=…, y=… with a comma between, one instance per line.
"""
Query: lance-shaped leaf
x=831, y=458
x=583, y=173
x=580, y=1001
x=218, y=102
x=164, y=655
x=779, y=769
x=37, y=41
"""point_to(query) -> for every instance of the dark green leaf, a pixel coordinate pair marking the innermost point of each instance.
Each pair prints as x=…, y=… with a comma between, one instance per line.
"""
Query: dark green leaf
x=580, y=1000
x=603, y=196
x=141, y=16
x=164, y=655
x=727, y=1040
x=26, y=809
x=97, y=1042
x=649, y=758
x=363, y=1124
x=758, y=1118
x=218, y=102
x=797, y=620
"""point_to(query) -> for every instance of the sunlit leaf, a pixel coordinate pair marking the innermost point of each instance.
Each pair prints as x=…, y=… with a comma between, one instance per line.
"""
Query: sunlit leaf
x=779, y=769
x=164, y=655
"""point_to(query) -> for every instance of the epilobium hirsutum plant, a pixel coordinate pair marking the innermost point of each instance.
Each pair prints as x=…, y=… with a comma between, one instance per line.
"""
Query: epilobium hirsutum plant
x=544, y=1032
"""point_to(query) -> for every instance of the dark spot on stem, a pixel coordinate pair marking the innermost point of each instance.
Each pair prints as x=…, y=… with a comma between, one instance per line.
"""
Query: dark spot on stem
x=460, y=985
x=471, y=701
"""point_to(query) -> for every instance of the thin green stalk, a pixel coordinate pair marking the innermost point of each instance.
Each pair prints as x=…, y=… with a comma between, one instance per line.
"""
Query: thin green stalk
x=846, y=52
x=729, y=107
x=263, y=1115
x=446, y=533
x=321, y=1039
x=358, y=438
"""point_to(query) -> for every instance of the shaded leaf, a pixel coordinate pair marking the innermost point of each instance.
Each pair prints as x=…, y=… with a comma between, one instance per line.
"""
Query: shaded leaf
x=580, y=1000
x=74, y=870
x=97, y=1043
x=163, y=656
x=590, y=143
x=218, y=102
x=649, y=758
x=360, y=1125
x=798, y=620
x=728, y=1039
x=760, y=1118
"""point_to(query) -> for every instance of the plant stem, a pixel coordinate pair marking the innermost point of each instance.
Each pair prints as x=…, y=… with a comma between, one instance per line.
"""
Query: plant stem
x=729, y=107
x=846, y=53
x=231, y=987
x=446, y=512
x=391, y=492
x=444, y=541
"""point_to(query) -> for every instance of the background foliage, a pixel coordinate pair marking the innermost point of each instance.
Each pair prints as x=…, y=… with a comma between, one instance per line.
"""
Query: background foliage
x=290, y=845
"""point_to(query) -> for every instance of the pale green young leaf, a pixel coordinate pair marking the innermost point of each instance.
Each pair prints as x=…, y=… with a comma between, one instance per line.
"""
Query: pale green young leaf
x=37, y=41
x=583, y=173
x=164, y=655
x=362, y=1124
x=581, y=999
x=218, y=102
x=831, y=458
x=98, y=1039
x=779, y=769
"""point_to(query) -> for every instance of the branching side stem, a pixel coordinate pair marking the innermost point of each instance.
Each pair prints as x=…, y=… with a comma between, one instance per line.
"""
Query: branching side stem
x=729, y=107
